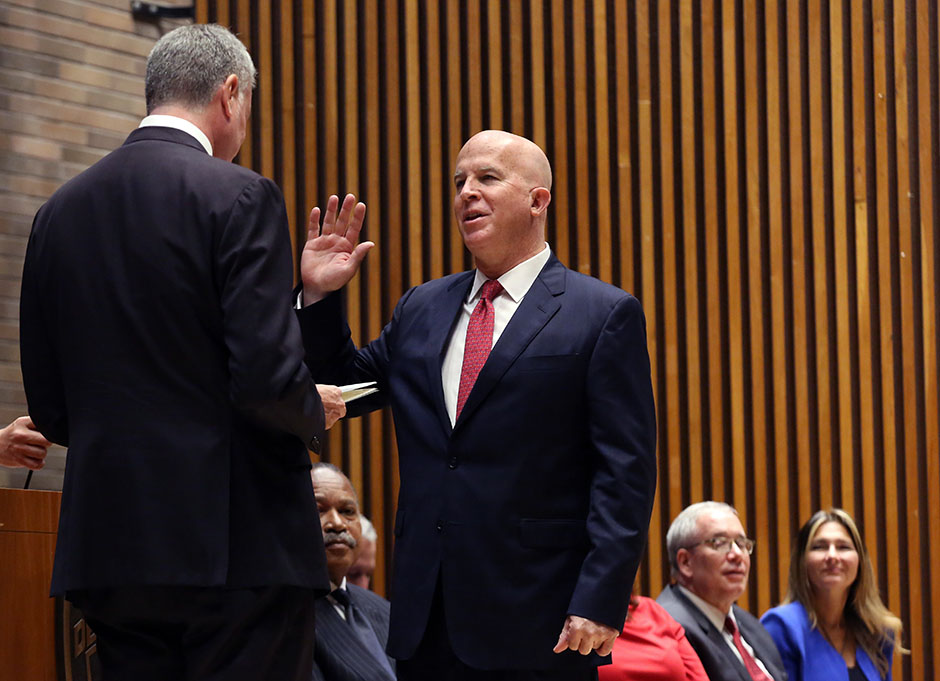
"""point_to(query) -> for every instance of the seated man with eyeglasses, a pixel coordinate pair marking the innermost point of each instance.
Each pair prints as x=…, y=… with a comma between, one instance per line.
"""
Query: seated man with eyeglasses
x=711, y=557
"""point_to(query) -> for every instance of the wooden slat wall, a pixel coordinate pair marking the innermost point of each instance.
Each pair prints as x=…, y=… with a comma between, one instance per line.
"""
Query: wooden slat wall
x=763, y=175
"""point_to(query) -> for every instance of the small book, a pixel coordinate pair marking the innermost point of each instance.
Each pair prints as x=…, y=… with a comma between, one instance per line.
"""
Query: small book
x=357, y=390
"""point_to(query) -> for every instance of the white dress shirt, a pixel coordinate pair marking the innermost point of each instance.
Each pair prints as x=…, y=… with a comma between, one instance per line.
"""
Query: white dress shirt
x=164, y=121
x=716, y=617
x=337, y=606
x=516, y=283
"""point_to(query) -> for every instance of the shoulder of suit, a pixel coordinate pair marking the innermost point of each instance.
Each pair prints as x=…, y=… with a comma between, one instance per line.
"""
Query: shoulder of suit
x=434, y=287
x=593, y=287
x=675, y=604
x=361, y=595
x=792, y=615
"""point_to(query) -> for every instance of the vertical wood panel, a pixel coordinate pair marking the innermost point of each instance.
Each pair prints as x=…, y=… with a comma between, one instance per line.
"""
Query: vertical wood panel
x=764, y=175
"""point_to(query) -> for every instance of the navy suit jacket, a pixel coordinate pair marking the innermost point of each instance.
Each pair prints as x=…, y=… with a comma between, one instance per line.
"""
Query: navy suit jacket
x=720, y=662
x=158, y=346
x=340, y=655
x=536, y=504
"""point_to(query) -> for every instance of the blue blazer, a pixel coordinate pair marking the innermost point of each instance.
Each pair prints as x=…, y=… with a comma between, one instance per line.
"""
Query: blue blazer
x=806, y=654
x=536, y=503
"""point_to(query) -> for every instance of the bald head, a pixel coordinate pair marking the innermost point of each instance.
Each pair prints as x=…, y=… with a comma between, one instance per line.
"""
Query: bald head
x=503, y=189
x=522, y=155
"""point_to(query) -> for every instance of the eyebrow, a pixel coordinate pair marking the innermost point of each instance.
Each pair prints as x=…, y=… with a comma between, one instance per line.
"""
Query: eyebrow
x=485, y=169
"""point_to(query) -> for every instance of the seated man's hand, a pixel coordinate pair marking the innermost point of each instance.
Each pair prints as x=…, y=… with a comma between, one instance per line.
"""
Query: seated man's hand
x=585, y=635
x=22, y=446
x=334, y=408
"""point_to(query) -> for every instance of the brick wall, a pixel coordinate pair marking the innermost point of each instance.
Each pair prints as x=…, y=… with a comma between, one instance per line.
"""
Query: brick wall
x=71, y=89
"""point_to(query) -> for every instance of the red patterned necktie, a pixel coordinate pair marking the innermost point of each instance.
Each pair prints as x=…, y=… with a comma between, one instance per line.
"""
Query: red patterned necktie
x=750, y=663
x=479, y=340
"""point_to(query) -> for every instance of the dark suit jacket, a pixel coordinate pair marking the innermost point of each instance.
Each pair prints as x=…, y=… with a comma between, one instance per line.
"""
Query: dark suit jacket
x=340, y=655
x=720, y=662
x=157, y=345
x=536, y=504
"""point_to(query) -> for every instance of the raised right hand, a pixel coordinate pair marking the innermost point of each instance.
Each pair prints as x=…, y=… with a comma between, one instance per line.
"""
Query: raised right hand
x=332, y=254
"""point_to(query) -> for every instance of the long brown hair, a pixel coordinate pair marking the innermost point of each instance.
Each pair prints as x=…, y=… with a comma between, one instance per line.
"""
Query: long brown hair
x=873, y=626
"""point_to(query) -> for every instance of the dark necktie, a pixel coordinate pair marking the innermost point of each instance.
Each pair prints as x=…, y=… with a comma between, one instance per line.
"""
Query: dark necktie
x=363, y=629
x=750, y=663
x=479, y=340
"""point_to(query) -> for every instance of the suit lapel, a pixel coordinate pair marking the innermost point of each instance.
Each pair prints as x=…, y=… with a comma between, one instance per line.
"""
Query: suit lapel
x=539, y=305
x=714, y=636
x=338, y=646
x=443, y=314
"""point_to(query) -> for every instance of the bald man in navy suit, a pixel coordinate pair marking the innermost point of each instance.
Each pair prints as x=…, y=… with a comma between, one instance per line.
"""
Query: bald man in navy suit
x=526, y=432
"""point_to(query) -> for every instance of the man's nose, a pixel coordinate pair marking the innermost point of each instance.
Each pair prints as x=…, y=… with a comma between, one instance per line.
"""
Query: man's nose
x=333, y=519
x=736, y=550
x=468, y=189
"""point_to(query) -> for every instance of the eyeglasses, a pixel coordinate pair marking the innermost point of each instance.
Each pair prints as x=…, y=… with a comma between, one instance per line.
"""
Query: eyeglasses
x=723, y=544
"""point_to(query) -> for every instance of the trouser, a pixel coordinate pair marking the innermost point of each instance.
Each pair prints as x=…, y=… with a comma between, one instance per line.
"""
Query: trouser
x=170, y=633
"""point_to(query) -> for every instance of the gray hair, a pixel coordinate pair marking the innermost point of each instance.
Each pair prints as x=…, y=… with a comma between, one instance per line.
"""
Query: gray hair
x=368, y=529
x=321, y=465
x=683, y=532
x=189, y=63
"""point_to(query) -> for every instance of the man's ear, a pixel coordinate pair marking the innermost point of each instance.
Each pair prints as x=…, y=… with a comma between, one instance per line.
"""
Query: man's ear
x=230, y=96
x=684, y=562
x=540, y=197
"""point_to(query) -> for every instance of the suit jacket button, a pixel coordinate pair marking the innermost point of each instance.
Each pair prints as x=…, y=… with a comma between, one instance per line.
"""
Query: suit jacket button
x=440, y=525
x=453, y=463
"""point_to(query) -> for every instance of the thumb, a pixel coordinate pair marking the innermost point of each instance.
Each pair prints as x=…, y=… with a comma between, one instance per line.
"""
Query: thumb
x=359, y=253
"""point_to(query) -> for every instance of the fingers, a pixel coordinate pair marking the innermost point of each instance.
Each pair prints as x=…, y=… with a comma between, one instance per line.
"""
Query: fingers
x=334, y=408
x=31, y=463
x=347, y=210
x=329, y=218
x=607, y=647
x=584, y=636
x=313, y=223
x=562, y=644
x=347, y=222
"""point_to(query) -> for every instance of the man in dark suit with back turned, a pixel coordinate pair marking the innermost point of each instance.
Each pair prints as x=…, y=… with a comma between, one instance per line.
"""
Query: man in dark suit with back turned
x=352, y=622
x=526, y=432
x=710, y=558
x=156, y=346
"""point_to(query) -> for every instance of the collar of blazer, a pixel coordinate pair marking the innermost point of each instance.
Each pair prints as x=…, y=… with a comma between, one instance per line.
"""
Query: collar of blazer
x=539, y=305
x=156, y=132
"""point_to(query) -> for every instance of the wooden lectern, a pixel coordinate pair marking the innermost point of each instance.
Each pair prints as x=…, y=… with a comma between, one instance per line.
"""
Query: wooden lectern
x=28, y=522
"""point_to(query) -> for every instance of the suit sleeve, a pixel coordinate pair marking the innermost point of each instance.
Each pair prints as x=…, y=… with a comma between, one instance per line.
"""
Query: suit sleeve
x=269, y=381
x=784, y=637
x=333, y=357
x=622, y=434
x=42, y=377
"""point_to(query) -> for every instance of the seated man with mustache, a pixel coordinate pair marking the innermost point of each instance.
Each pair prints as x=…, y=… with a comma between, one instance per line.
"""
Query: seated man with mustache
x=352, y=623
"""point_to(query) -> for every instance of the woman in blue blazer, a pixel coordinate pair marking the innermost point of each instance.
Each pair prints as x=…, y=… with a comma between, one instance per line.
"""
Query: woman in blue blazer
x=833, y=625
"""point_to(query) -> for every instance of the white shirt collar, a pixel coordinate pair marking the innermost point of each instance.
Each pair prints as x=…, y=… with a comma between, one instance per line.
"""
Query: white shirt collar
x=517, y=281
x=164, y=121
x=714, y=615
